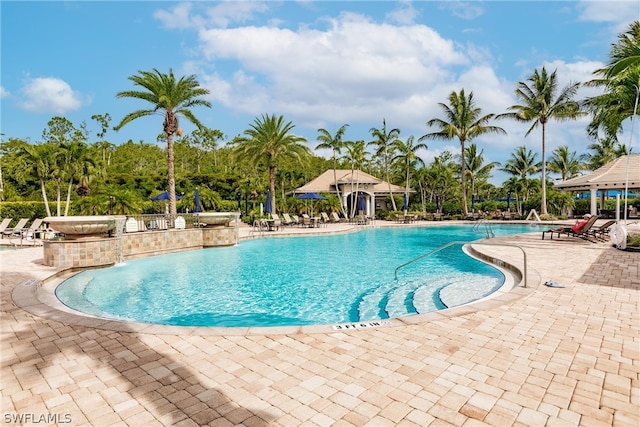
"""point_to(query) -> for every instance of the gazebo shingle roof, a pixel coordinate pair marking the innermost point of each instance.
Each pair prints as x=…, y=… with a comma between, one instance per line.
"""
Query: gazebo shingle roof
x=613, y=175
x=325, y=183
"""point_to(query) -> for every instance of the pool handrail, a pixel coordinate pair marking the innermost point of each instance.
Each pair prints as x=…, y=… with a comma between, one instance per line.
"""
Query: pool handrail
x=458, y=242
x=488, y=230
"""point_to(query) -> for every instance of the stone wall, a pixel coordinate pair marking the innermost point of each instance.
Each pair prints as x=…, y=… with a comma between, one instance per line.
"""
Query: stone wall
x=108, y=251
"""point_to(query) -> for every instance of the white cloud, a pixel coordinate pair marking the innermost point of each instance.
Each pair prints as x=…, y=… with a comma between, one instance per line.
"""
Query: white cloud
x=49, y=95
x=620, y=13
x=354, y=70
x=404, y=14
x=4, y=93
x=463, y=9
x=221, y=15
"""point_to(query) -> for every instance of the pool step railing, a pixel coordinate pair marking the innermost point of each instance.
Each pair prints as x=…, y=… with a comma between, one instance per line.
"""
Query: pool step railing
x=486, y=225
x=495, y=261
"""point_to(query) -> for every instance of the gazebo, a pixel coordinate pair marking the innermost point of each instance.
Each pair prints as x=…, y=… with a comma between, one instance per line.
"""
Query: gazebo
x=351, y=184
x=619, y=174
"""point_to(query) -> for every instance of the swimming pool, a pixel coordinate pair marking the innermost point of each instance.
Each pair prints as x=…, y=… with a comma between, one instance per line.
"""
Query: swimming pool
x=297, y=281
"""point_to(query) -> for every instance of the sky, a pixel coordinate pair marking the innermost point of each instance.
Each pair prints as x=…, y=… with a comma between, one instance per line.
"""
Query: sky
x=319, y=64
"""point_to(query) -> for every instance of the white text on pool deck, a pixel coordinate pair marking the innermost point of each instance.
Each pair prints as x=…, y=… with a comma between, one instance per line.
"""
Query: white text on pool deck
x=361, y=325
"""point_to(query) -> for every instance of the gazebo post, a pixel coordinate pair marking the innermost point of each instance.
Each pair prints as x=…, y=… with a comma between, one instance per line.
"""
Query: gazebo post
x=594, y=201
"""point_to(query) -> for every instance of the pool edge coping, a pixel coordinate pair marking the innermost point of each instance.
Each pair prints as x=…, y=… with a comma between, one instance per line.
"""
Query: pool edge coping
x=29, y=296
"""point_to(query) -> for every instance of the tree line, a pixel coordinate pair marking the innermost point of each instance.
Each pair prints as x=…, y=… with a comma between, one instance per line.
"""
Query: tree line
x=78, y=173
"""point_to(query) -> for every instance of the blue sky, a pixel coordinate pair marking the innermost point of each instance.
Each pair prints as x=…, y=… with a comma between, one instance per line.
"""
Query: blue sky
x=320, y=64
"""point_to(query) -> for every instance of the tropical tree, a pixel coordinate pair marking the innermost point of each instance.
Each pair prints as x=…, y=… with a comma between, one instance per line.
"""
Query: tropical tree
x=620, y=79
x=567, y=163
x=356, y=156
x=522, y=163
x=605, y=150
x=79, y=164
x=171, y=98
x=269, y=140
x=384, y=140
x=475, y=166
x=539, y=105
x=335, y=144
x=408, y=157
x=463, y=120
x=36, y=160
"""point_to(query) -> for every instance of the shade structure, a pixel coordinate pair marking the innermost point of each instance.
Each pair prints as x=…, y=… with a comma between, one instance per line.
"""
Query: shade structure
x=196, y=198
x=405, y=202
x=164, y=196
x=312, y=197
x=267, y=206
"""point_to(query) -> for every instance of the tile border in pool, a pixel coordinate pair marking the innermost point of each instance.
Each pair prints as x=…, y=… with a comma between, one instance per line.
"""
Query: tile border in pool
x=38, y=298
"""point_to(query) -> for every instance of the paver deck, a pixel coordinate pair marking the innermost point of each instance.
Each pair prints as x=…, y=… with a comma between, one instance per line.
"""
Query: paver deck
x=539, y=356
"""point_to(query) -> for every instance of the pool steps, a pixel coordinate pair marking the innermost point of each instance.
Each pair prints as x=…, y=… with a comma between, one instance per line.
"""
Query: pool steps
x=403, y=299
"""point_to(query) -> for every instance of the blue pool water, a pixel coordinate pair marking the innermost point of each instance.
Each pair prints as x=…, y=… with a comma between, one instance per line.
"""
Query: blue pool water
x=290, y=281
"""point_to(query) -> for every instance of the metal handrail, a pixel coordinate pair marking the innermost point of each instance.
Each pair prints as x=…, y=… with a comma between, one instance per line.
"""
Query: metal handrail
x=488, y=229
x=524, y=277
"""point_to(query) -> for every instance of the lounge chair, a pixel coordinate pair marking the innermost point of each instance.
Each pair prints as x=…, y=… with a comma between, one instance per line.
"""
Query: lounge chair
x=276, y=222
x=17, y=229
x=325, y=217
x=583, y=233
x=33, y=231
x=4, y=224
x=306, y=221
x=335, y=217
x=286, y=220
x=601, y=231
x=297, y=220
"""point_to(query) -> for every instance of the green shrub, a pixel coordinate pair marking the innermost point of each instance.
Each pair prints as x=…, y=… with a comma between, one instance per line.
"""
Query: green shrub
x=17, y=210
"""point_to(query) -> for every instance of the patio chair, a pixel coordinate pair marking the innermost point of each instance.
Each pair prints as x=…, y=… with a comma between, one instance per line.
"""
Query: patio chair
x=297, y=220
x=34, y=229
x=18, y=227
x=286, y=220
x=335, y=217
x=4, y=224
x=603, y=230
x=325, y=218
x=276, y=222
x=584, y=232
x=306, y=221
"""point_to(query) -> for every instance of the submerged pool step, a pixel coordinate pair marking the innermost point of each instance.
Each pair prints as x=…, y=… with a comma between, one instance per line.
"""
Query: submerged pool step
x=390, y=300
x=465, y=291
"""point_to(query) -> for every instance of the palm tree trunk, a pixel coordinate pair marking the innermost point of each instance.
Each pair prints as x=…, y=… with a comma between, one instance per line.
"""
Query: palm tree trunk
x=44, y=196
x=543, y=207
x=272, y=186
x=335, y=181
x=66, y=207
x=173, y=210
x=463, y=181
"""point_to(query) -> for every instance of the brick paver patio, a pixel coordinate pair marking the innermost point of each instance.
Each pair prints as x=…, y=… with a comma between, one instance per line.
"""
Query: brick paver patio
x=537, y=356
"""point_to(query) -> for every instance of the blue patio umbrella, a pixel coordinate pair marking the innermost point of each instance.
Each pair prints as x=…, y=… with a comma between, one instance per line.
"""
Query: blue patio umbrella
x=164, y=196
x=267, y=206
x=405, y=202
x=311, y=196
x=361, y=204
x=509, y=201
x=196, y=197
x=473, y=202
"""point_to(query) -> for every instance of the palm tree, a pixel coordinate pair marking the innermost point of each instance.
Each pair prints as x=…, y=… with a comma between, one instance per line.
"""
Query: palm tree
x=335, y=144
x=384, y=141
x=36, y=160
x=407, y=155
x=568, y=164
x=522, y=163
x=539, y=105
x=269, y=140
x=475, y=167
x=464, y=121
x=357, y=157
x=620, y=80
x=170, y=98
x=79, y=163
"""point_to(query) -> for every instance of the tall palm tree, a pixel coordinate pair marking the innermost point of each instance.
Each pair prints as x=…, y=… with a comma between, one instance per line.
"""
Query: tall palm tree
x=37, y=160
x=170, y=98
x=620, y=79
x=475, y=167
x=79, y=164
x=356, y=156
x=269, y=140
x=567, y=163
x=464, y=121
x=335, y=144
x=407, y=155
x=539, y=105
x=384, y=141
